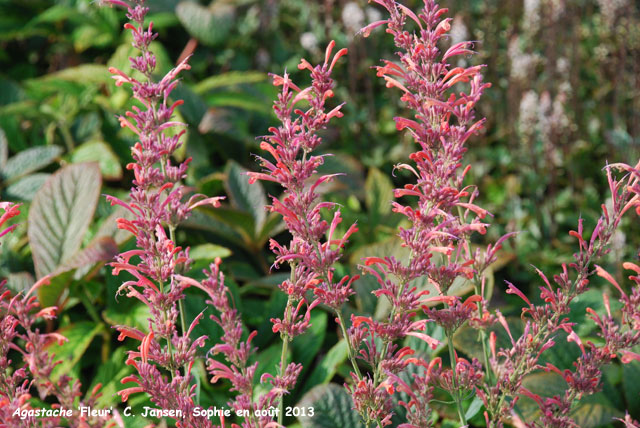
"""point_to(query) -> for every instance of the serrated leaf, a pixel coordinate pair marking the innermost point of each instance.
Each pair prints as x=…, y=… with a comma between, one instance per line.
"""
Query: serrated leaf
x=209, y=25
x=101, y=152
x=60, y=215
x=25, y=188
x=378, y=192
x=208, y=252
x=332, y=408
x=30, y=160
x=250, y=198
x=229, y=79
x=79, y=336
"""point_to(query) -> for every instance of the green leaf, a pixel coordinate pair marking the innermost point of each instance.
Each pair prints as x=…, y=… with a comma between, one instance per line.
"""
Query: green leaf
x=101, y=152
x=29, y=160
x=55, y=293
x=306, y=346
x=79, y=336
x=60, y=215
x=88, y=36
x=474, y=407
x=326, y=369
x=631, y=384
x=378, y=192
x=250, y=198
x=86, y=74
x=332, y=407
x=208, y=252
x=237, y=100
x=109, y=375
x=231, y=78
x=209, y=25
x=269, y=360
x=25, y=188
x=131, y=313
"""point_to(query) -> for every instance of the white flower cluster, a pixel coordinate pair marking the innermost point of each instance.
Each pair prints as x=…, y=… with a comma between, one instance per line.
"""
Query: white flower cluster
x=610, y=10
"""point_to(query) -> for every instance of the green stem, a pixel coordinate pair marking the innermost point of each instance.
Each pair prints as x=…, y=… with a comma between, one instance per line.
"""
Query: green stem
x=285, y=348
x=183, y=322
x=352, y=356
x=456, y=392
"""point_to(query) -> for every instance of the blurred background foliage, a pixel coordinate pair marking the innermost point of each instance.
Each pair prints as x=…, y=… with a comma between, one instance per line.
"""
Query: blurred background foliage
x=565, y=101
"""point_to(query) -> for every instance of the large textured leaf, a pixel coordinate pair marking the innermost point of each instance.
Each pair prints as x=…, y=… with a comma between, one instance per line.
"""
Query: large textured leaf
x=29, y=160
x=60, y=214
x=247, y=197
x=209, y=25
x=20, y=282
x=332, y=407
x=25, y=188
x=103, y=248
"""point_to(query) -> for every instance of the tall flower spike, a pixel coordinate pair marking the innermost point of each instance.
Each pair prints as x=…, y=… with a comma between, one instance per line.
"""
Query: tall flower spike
x=302, y=114
x=157, y=205
x=445, y=216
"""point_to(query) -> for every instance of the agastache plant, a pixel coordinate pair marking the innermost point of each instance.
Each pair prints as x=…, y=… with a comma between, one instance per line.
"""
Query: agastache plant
x=545, y=321
x=19, y=314
x=311, y=258
x=442, y=223
x=166, y=353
